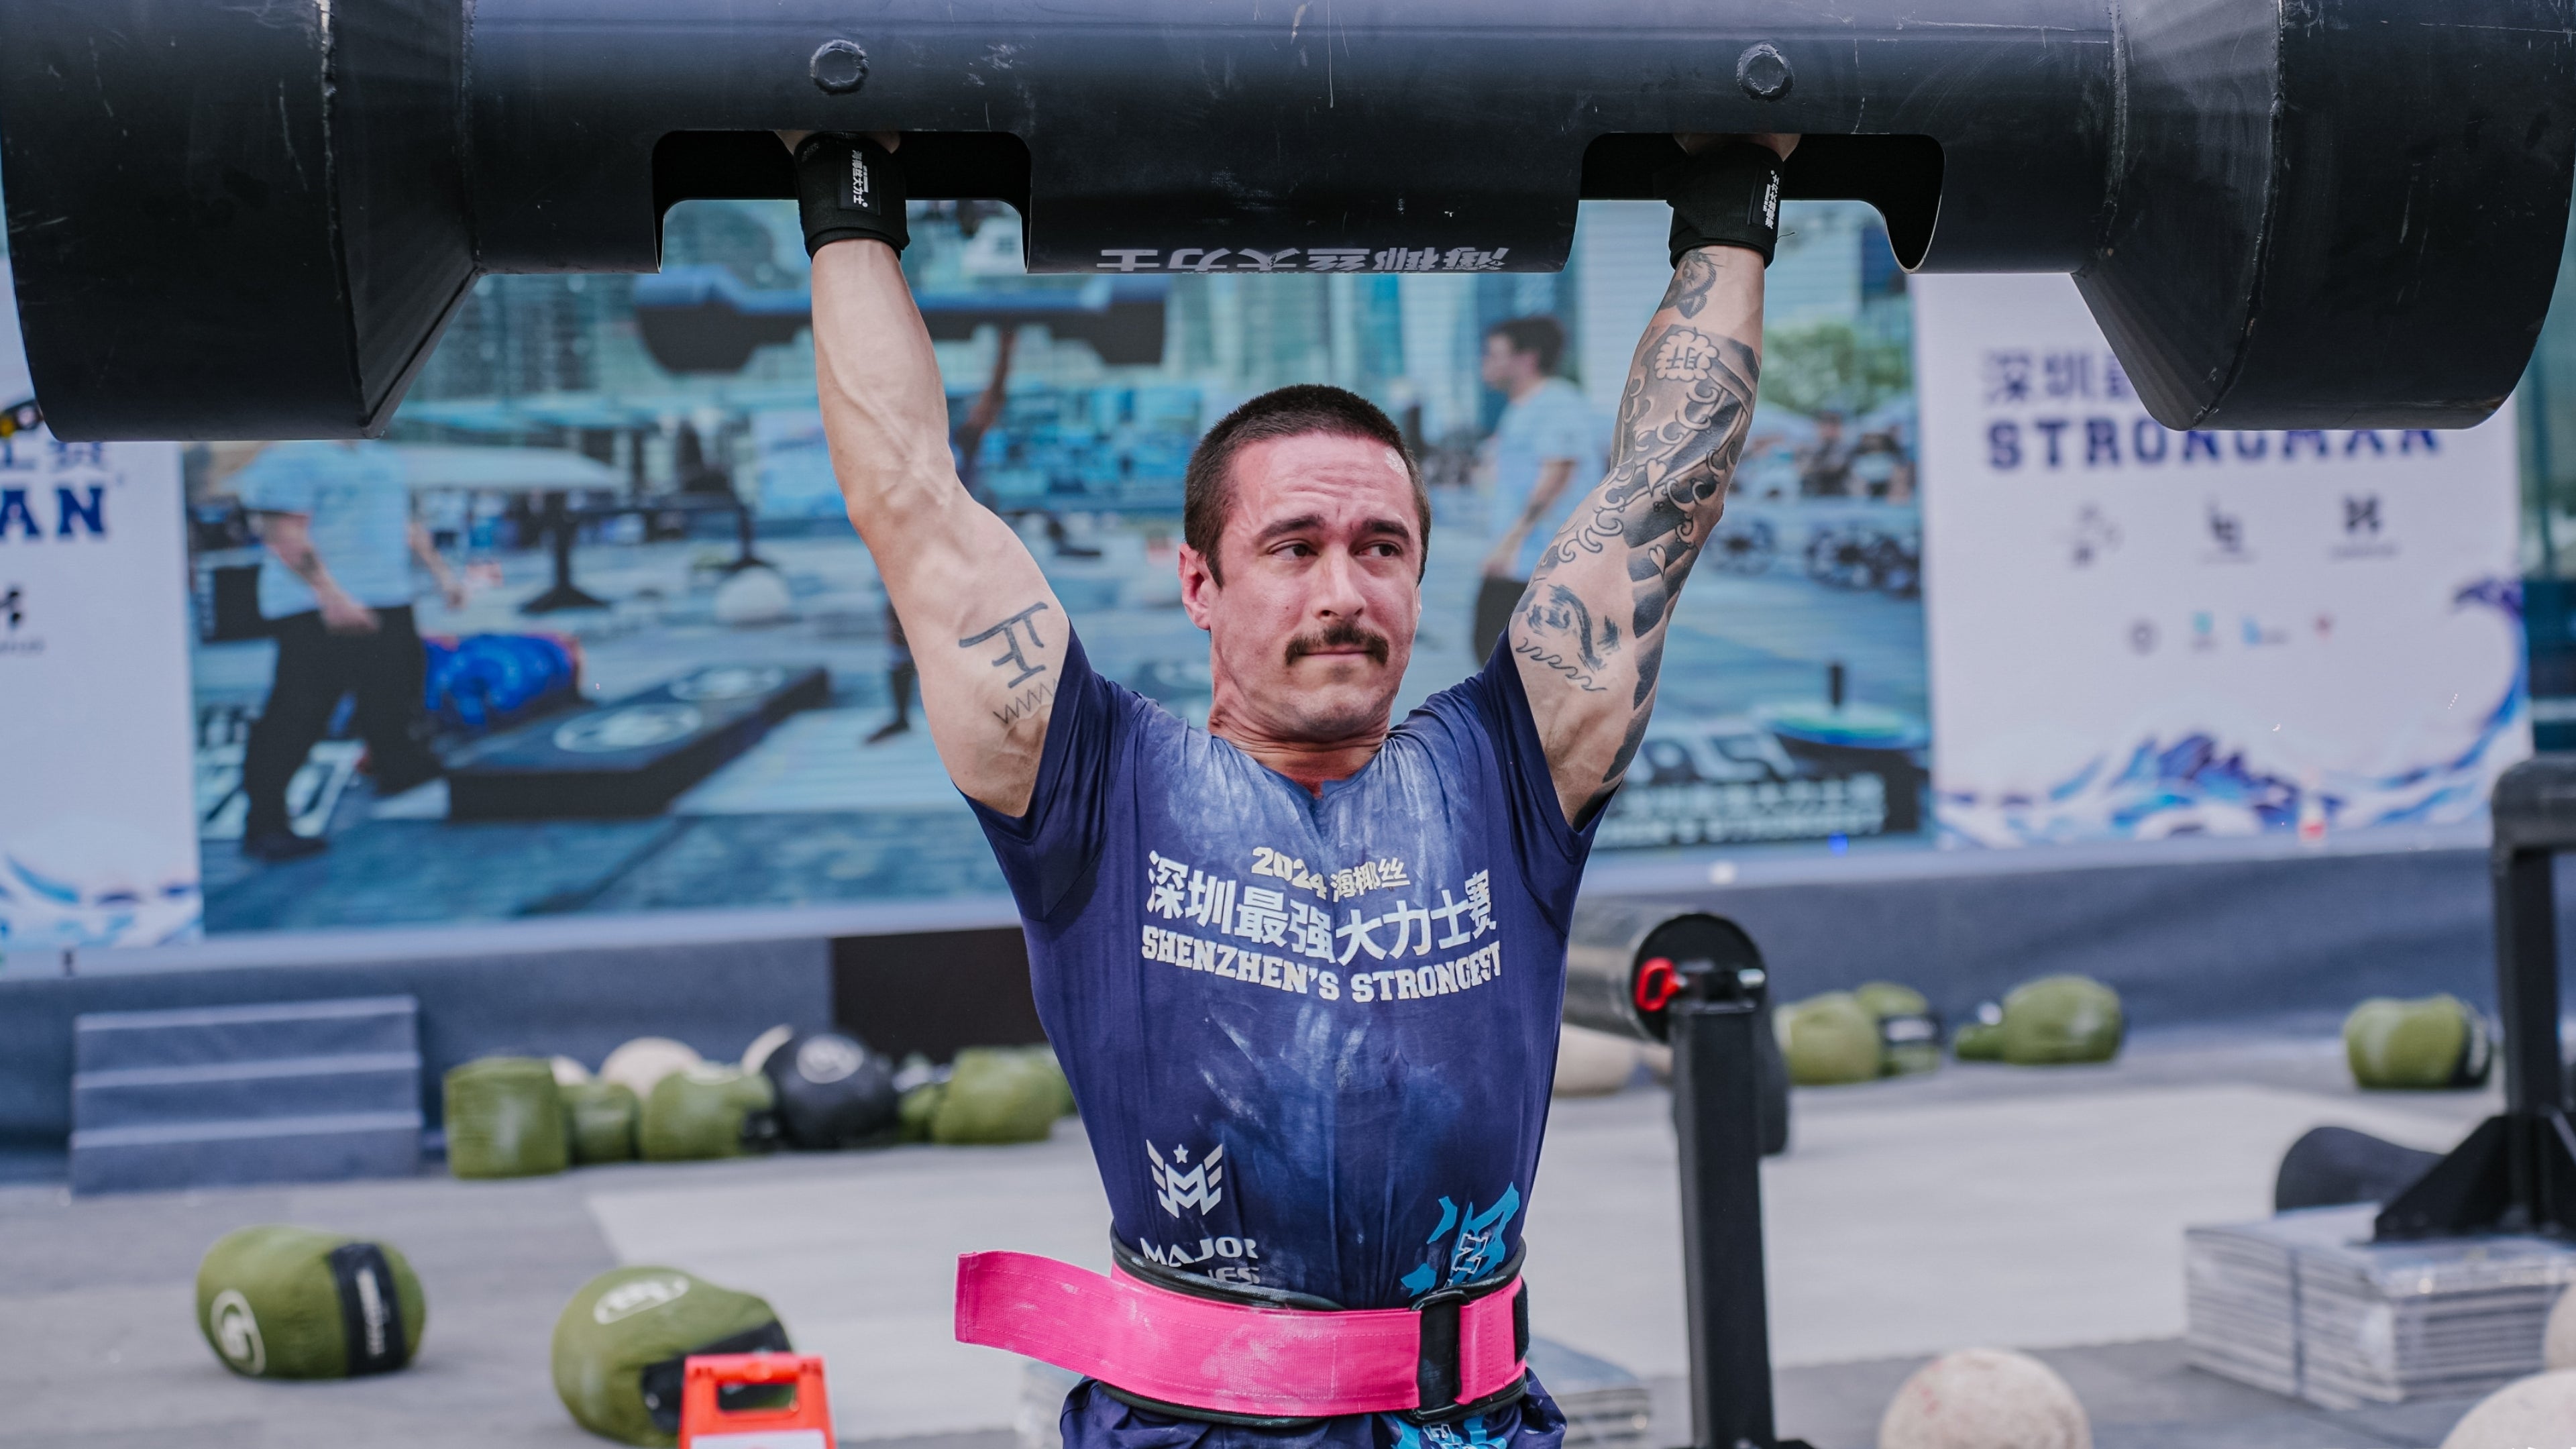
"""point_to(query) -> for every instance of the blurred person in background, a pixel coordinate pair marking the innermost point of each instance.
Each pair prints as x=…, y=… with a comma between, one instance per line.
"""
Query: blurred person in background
x=1824, y=468
x=1547, y=439
x=336, y=588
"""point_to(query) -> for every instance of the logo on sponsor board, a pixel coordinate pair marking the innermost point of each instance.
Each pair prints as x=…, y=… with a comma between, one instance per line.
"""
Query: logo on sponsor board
x=13, y=619
x=2226, y=536
x=2094, y=535
x=2363, y=529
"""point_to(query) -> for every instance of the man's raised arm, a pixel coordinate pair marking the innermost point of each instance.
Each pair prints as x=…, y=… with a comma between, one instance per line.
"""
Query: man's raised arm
x=1589, y=632
x=987, y=633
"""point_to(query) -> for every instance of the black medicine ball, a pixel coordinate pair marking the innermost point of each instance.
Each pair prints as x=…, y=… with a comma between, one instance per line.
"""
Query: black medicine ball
x=832, y=1091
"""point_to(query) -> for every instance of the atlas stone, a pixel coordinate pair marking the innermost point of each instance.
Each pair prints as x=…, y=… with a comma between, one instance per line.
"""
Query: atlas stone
x=292, y=202
x=641, y=1064
x=2538, y=1410
x=1985, y=1398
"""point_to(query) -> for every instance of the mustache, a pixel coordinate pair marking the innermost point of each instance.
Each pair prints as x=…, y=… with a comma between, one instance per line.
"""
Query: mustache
x=1340, y=634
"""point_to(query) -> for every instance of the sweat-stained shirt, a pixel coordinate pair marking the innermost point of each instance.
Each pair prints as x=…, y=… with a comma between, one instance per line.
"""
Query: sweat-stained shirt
x=1312, y=1039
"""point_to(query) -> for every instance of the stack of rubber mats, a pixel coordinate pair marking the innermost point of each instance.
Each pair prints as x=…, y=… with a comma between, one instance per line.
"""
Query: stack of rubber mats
x=1606, y=1407
x=2305, y=1305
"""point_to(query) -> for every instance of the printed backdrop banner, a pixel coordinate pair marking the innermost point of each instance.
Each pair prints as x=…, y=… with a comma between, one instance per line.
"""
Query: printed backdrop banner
x=98, y=843
x=2136, y=632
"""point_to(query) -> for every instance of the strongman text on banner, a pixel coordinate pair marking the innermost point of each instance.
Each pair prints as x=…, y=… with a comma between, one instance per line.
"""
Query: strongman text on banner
x=98, y=840
x=2137, y=632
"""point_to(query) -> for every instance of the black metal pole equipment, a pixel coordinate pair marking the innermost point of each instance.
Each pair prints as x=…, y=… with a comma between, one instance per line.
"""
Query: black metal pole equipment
x=2517, y=1171
x=1696, y=981
x=1717, y=1114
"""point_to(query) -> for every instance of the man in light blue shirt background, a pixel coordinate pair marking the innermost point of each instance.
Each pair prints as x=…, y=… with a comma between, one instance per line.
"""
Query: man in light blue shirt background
x=1544, y=456
x=336, y=589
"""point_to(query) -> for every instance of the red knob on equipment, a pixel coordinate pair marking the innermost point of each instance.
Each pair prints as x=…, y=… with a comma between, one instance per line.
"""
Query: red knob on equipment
x=1657, y=985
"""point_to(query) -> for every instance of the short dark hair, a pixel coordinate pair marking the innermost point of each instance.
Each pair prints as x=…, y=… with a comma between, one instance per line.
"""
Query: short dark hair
x=1207, y=487
x=1541, y=334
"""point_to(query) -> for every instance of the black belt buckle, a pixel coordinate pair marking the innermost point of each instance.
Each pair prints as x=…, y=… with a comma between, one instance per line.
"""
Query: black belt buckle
x=1439, y=1376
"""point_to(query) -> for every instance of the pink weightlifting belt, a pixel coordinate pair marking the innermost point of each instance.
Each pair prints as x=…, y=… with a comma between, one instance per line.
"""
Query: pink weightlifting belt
x=1456, y=1351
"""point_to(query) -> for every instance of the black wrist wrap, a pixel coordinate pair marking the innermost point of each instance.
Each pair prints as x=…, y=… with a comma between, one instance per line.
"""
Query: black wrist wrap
x=1726, y=197
x=848, y=186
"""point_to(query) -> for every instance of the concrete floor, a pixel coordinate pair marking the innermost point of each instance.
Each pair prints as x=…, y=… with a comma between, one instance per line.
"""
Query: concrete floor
x=1983, y=1205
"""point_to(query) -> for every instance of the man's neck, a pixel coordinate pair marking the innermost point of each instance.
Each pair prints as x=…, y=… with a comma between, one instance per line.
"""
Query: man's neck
x=1312, y=764
x=1526, y=386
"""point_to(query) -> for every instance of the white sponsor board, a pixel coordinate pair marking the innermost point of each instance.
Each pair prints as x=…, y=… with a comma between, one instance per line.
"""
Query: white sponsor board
x=98, y=843
x=2136, y=632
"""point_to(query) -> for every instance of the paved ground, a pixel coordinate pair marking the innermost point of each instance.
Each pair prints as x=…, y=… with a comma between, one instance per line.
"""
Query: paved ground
x=813, y=816
x=1982, y=1205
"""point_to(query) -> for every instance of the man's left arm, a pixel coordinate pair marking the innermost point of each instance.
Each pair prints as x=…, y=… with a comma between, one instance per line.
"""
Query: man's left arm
x=1555, y=475
x=1589, y=633
x=425, y=548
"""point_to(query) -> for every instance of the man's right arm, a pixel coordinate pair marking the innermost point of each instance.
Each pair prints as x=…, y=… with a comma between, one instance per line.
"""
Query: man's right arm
x=289, y=538
x=988, y=634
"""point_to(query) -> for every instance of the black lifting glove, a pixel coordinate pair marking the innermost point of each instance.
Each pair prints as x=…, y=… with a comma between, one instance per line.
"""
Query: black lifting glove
x=848, y=186
x=1726, y=196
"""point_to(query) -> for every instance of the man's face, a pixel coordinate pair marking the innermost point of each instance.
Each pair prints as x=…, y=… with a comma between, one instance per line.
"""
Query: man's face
x=1506, y=367
x=1310, y=633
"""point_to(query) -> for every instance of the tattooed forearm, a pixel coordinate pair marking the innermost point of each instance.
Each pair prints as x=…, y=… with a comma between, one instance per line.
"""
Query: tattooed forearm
x=1558, y=632
x=1017, y=633
x=1025, y=704
x=1580, y=677
x=1682, y=423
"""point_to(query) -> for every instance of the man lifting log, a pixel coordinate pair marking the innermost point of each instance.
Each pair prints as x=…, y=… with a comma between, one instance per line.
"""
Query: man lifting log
x=1304, y=969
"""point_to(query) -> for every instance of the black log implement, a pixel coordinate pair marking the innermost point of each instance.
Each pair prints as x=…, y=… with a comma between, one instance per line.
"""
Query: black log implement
x=240, y=220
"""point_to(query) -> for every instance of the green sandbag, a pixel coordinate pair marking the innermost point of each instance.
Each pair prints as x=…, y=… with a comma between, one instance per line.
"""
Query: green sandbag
x=2421, y=1045
x=919, y=1108
x=1909, y=1035
x=1829, y=1040
x=2058, y=1020
x=701, y=1112
x=599, y=1121
x=1980, y=1040
x=621, y=1342
x=1886, y=998
x=1044, y=1059
x=995, y=1095
x=277, y=1302
x=505, y=1118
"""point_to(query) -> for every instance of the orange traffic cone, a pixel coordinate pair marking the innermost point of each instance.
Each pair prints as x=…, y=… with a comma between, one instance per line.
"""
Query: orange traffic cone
x=785, y=1407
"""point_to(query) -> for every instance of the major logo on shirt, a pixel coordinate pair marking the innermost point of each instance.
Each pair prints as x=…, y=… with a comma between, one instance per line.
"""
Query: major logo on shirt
x=1178, y=1184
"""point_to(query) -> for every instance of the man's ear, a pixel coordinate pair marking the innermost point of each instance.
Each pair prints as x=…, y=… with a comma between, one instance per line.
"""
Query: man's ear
x=1198, y=586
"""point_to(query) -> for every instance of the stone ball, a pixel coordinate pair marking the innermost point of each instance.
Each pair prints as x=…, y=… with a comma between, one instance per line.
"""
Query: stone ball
x=642, y=1063
x=1985, y=1398
x=2539, y=1410
x=1593, y=1063
x=753, y=596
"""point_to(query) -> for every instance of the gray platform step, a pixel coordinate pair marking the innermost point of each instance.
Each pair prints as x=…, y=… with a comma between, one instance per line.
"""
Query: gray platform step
x=302, y=1091
x=220, y=1154
x=118, y=1040
x=357, y=1082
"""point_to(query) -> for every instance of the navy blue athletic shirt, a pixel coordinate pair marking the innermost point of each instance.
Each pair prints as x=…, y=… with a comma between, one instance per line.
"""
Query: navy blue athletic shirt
x=1312, y=1038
